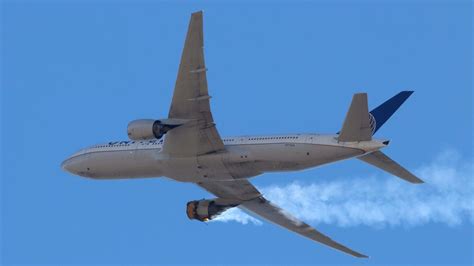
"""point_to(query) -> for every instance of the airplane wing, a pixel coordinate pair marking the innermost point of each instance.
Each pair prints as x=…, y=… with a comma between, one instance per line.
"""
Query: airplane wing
x=254, y=202
x=191, y=100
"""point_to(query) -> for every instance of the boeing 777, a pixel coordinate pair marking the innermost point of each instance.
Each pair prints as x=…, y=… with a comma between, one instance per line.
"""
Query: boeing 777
x=187, y=147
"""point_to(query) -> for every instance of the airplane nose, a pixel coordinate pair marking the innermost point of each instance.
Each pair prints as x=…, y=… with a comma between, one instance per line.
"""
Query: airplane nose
x=77, y=165
x=69, y=165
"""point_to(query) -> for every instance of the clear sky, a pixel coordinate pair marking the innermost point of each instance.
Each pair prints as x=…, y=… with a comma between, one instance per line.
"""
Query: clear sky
x=75, y=73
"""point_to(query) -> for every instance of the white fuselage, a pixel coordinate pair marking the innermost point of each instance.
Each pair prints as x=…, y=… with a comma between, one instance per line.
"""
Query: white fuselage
x=243, y=157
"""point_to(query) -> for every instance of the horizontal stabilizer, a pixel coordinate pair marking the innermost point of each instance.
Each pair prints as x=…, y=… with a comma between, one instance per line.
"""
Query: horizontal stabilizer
x=382, y=161
x=356, y=126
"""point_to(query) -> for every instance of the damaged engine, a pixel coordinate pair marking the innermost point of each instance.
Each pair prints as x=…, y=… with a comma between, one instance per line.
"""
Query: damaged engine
x=206, y=210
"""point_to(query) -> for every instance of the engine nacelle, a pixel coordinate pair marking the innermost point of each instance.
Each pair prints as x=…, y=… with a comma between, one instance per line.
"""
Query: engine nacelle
x=142, y=129
x=205, y=210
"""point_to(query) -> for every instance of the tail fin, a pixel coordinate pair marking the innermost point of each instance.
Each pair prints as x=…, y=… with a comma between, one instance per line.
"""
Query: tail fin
x=356, y=126
x=360, y=125
x=382, y=161
x=384, y=111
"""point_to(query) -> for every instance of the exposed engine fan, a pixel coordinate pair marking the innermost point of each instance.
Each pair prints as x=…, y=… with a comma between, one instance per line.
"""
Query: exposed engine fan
x=205, y=210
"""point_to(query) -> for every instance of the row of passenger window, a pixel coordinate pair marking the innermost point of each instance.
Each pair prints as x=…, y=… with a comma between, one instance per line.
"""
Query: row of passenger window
x=273, y=138
x=265, y=138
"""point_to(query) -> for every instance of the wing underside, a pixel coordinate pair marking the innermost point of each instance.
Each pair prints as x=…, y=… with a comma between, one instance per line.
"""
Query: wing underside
x=191, y=100
x=252, y=201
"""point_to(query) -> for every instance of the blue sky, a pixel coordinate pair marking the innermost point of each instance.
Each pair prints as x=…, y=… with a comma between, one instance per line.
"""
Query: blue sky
x=75, y=73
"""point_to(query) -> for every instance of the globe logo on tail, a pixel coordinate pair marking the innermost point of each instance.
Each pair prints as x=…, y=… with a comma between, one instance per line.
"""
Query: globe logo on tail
x=372, y=123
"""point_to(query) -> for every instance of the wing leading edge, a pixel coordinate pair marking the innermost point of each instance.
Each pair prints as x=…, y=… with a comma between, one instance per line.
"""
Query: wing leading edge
x=254, y=202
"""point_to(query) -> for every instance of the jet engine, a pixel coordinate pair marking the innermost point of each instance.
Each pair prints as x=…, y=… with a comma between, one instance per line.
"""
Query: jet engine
x=142, y=129
x=205, y=210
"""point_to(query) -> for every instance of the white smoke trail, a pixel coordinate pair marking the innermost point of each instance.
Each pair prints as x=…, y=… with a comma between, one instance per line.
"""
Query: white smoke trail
x=236, y=215
x=447, y=197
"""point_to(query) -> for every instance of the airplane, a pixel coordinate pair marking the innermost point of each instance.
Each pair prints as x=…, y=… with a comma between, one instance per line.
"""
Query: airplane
x=187, y=147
